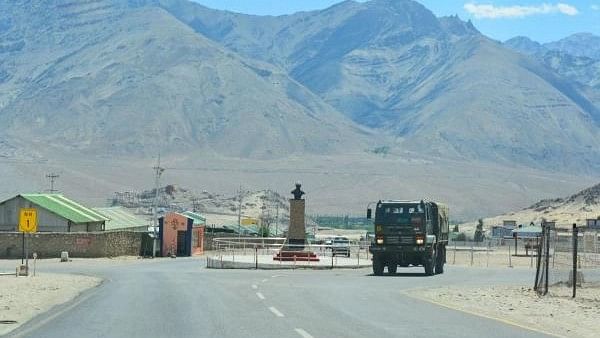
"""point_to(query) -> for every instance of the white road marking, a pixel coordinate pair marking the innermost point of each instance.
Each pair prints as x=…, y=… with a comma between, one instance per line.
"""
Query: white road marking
x=265, y=280
x=254, y=286
x=303, y=333
x=260, y=295
x=275, y=311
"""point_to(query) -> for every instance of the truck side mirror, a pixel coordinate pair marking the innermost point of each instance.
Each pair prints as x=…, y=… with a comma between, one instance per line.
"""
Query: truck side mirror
x=369, y=213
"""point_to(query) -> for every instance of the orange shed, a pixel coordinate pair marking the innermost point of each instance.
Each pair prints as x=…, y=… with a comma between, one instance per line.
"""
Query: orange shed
x=180, y=236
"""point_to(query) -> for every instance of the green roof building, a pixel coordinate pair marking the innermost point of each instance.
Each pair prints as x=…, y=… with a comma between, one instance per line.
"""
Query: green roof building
x=55, y=213
x=120, y=218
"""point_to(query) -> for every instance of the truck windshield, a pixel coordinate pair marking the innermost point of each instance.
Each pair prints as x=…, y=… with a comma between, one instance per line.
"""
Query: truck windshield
x=398, y=214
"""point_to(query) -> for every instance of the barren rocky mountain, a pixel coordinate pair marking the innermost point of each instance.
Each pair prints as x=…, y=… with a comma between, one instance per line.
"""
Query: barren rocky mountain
x=580, y=44
x=564, y=211
x=114, y=78
x=576, y=58
x=584, y=45
x=436, y=84
x=361, y=101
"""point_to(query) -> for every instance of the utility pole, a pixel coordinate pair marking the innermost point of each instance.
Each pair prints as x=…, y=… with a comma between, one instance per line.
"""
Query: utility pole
x=52, y=177
x=158, y=170
x=195, y=204
x=240, y=212
x=277, y=218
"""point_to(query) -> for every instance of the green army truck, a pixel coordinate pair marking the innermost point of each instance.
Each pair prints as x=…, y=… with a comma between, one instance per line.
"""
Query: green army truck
x=409, y=233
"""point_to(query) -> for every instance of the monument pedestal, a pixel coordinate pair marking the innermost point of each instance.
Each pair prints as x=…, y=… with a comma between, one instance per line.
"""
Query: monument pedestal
x=297, y=230
x=293, y=250
x=296, y=256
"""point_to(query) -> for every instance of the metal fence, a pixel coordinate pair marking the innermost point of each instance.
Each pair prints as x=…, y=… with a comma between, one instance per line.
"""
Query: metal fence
x=493, y=252
x=255, y=252
x=567, y=258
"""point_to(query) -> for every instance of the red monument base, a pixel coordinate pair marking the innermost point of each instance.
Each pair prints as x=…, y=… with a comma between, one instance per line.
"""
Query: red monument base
x=298, y=256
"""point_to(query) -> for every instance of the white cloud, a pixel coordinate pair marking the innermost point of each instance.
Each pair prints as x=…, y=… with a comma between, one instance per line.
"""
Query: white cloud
x=488, y=11
x=595, y=7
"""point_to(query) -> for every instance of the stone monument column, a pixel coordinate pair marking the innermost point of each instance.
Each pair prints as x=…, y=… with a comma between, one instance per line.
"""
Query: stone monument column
x=297, y=228
x=294, y=250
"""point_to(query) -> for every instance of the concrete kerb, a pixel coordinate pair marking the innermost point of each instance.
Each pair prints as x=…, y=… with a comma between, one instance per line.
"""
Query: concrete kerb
x=218, y=263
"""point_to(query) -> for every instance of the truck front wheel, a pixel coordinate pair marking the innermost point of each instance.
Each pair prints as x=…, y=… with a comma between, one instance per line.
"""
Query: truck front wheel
x=441, y=258
x=378, y=266
x=392, y=268
x=429, y=264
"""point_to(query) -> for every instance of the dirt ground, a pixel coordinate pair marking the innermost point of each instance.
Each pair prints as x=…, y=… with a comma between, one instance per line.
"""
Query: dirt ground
x=22, y=298
x=556, y=313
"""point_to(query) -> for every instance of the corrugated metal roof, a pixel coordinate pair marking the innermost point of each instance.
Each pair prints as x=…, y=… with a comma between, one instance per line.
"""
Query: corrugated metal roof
x=121, y=218
x=198, y=219
x=65, y=207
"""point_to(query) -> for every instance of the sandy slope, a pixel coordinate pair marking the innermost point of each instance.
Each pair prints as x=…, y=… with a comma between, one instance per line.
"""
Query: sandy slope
x=555, y=313
x=23, y=298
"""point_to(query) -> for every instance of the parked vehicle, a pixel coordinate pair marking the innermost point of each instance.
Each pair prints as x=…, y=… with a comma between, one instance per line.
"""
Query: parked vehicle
x=340, y=246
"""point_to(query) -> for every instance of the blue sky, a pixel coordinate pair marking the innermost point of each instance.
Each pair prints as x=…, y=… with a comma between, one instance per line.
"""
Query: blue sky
x=541, y=20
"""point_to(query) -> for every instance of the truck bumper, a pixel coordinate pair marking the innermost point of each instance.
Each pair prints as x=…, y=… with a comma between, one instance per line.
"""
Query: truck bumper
x=397, y=249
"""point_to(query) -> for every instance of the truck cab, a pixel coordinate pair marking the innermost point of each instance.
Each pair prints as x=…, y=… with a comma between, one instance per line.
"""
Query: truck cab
x=409, y=233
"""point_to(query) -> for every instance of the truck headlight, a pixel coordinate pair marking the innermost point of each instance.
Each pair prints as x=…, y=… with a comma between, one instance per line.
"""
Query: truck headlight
x=379, y=241
x=420, y=241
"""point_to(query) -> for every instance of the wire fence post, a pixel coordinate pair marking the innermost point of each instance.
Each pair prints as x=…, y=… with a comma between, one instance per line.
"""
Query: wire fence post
x=471, y=253
x=540, y=241
x=454, y=255
x=509, y=257
x=575, y=231
x=332, y=258
x=487, y=262
x=547, y=258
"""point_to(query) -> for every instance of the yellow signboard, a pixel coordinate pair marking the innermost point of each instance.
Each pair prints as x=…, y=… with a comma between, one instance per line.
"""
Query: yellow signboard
x=249, y=221
x=28, y=220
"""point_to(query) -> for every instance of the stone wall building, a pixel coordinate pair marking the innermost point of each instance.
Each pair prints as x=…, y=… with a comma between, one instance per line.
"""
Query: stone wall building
x=77, y=244
x=55, y=213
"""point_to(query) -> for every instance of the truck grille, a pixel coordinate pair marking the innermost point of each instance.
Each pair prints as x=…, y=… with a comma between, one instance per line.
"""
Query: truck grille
x=400, y=240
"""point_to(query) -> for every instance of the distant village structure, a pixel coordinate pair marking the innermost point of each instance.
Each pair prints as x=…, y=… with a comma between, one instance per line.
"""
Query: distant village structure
x=181, y=235
x=55, y=213
x=120, y=218
x=67, y=225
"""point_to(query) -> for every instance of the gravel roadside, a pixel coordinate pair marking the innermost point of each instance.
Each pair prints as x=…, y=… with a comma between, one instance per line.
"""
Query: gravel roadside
x=556, y=313
x=22, y=298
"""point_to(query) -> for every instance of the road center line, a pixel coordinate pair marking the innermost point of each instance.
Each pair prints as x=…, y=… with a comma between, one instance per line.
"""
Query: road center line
x=275, y=311
x=260, y=295
x=254, y=286
x=303, y=333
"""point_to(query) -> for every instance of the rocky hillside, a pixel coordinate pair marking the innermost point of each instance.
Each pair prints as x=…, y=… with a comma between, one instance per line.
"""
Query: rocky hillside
x=129, y=77
x=564, y=211
x=580, y=44
x=114, y=78
x=436, y=84
x=218, y=208
x=577, y=57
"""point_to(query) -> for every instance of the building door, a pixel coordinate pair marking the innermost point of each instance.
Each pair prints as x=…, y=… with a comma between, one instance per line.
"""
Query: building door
x=181, y=244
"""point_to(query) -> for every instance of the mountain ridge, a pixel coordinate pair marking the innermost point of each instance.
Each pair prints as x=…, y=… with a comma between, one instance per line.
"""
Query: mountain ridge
x=387, y=68
x=328, y=81
x=103, y=94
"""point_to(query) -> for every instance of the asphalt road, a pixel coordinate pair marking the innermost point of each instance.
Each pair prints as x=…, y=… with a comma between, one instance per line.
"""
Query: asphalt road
x=181, y=298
